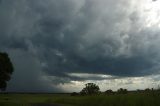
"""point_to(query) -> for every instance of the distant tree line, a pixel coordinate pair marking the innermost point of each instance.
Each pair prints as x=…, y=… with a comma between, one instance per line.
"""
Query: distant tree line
x=93, y=89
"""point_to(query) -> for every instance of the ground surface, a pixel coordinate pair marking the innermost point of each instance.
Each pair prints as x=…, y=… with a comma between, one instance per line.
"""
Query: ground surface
x=44, y=104
x=130, y=99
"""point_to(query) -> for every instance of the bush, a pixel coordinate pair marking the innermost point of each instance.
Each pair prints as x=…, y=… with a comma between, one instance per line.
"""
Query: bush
x=122, y=91
x=90, y=89
x=147, y=90
x=74, y=94
x=109, y=92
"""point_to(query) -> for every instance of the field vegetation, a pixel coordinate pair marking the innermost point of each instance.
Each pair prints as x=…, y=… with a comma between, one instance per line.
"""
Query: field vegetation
x=138, y=98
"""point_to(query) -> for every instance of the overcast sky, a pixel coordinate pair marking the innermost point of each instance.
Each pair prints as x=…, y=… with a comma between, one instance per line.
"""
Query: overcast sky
x=59, y=45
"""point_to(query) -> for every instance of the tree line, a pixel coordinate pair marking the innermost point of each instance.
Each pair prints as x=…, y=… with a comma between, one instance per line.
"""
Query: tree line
x=93, y=89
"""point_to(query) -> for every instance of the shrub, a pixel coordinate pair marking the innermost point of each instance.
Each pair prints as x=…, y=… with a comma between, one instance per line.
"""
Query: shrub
x=109, y=92
x=90, y=89
x=74, y=94
x=122, y=91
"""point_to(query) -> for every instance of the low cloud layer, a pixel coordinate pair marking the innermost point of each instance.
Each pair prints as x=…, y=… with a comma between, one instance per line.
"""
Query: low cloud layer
x=49, y=40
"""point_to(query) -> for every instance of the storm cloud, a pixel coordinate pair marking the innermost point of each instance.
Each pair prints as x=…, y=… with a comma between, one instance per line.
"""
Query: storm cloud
x=53, y=39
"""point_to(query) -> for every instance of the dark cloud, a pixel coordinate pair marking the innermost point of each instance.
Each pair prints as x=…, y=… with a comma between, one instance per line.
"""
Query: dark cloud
x=28, y=76
x=71, y=36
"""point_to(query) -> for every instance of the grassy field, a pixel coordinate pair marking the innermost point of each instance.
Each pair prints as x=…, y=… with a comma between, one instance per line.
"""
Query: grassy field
x=131, y=99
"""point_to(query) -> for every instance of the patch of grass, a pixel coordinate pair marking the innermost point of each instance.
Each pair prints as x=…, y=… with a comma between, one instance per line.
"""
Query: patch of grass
x=25, y=99
x=112, y=100
x=131, y=99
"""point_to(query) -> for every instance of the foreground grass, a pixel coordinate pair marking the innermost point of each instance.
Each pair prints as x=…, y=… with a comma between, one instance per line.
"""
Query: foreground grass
x=27, y=99
x=113, y=100
x=132, y=99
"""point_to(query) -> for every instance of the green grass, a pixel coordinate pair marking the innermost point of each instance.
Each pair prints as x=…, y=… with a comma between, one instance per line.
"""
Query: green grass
x=113, y=100
x=26, y=99
x=132, y=99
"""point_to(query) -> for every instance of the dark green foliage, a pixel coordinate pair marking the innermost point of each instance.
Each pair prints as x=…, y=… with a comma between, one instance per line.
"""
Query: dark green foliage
x=90, y=89
x=74, y=94
x=109, y=92
x=122, y=91
x=83, y=91
x=147, y=90
x=6, y=69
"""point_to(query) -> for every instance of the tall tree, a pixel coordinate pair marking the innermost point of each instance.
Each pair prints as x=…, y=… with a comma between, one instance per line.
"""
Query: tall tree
x=6, y=70
x=90, y=89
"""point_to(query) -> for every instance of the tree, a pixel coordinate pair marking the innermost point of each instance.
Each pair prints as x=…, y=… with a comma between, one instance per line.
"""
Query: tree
x=122, y=91
x=6, y=69
x=109, y=92
x=90, y=88
x=147, y=90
